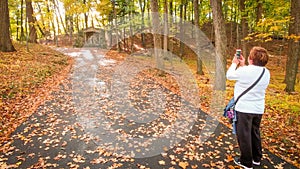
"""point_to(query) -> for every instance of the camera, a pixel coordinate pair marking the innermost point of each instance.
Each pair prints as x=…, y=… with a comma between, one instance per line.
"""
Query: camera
x=238, y=53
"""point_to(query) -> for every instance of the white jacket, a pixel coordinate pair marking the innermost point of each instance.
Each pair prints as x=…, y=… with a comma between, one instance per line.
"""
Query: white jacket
x=254, y=100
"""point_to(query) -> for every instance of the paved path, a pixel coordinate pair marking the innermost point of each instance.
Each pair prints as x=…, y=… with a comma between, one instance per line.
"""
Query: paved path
x=71, y=131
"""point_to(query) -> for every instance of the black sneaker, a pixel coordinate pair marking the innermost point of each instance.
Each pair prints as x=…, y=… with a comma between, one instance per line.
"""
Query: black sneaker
x=237, y=162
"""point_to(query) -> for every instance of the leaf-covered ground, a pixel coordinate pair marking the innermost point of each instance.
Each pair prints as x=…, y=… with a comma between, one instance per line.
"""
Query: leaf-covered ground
x=281, y=120
x=26, y=78
x=29, y=85
x=83, y=124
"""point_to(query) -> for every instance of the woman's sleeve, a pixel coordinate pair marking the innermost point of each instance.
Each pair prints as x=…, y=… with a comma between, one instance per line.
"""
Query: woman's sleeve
x=232, y=73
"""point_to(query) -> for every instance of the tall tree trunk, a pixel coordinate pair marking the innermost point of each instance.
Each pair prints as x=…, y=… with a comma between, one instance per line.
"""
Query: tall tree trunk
x=236, y=19
x=166, y=22
x=156, y=31
x=131, y=35
x=293, y=49
x=70, y=27
x=31, y=22
x=41, y=29
x=244, y=28
x=116, y=26
x=22, y=36
x=18, y=24
x=58, y=30
x=5, y=41
x=142, y=4
x=68, y=23
x=86, y=18
x=231, y=25
x=54, y=31
x=171, y=24
x=171, y=8
x=59, y=15
x=181, y=29
x=220, y=43
x=196, y=22
x=259, y=10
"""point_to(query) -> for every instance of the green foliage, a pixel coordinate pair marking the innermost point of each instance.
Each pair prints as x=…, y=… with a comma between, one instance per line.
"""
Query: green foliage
x=275, y=21
x=105, y=8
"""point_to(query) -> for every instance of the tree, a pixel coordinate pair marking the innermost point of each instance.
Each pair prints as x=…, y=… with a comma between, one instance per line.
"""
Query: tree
x=166, y=21
x=86, y=17
x=182, y=19
x=244, y=28
x=23, y=36
x=116, y=24
x=31, y=22
x=5, y=41
x=220, y=44
x=156, y=30
x=259, y=10
x=293, y=47
x=196, y=22
x=142, y=4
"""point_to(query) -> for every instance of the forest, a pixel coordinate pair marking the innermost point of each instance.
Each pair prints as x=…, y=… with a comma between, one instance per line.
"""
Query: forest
x=246, y=21
x=123, y=27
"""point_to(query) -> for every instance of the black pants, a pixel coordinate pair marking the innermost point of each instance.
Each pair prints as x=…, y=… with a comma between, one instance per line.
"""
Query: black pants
x=248, y=135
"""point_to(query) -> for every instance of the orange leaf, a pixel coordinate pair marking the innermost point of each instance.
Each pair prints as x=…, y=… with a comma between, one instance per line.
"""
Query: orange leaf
x=183, y=164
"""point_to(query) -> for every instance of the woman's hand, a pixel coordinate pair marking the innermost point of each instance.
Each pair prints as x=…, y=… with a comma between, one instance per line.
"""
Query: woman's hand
x=240, y=61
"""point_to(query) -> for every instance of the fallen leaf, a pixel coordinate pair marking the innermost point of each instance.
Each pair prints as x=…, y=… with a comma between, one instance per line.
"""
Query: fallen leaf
x=183, y=164
x=162, y=162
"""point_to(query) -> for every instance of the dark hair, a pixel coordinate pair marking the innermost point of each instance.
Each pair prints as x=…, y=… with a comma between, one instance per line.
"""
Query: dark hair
x=259, y=56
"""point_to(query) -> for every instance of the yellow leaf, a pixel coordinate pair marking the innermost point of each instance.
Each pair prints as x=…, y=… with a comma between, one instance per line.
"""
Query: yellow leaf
x=162, y=162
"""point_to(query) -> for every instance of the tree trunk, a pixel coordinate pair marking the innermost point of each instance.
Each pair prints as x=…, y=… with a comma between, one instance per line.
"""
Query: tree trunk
x=181, y=29
x=293, y=48
x=196, y=22
x=59, y=15
x=244, y=28
x=142, y=4
x=86, y=18
x=259, y=10
x=5, y=41
x=166, y=22
x=231, y=25
x=220, y=43
x=77, y=20
x=41, y=29
x=22, y=36
x=18, y=24
x=171, y=9
x=70, y=27
x=171, y=24
x=31, y=22
x=156, y=31
x=116, y=26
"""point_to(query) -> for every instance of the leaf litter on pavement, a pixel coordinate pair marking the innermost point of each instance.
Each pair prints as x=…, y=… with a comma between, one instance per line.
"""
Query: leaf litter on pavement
x=54, y=137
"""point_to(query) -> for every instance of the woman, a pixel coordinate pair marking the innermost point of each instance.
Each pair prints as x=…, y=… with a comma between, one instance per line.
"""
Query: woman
x=250, y=107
